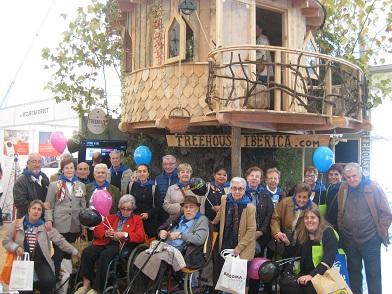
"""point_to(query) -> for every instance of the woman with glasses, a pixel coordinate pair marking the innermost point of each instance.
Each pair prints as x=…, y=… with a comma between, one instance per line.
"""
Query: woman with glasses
x=286, y=215
x=335, y=174
x=237, y=222
x=117, y=230
x=148, y=202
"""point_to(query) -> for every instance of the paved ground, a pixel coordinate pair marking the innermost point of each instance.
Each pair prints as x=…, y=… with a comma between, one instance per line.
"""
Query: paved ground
x=386, y=260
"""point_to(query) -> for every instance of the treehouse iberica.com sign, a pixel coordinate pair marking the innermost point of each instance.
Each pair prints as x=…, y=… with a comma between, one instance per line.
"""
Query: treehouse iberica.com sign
x=249, y=141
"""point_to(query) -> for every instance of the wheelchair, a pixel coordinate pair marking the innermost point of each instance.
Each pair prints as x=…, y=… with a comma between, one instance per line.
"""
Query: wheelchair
x=188, y=281
x=117, y=273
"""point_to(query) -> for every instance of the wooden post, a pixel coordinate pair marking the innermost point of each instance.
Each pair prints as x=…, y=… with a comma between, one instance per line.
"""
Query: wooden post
x=278, y=80
x=328, y=89
x=235, y=151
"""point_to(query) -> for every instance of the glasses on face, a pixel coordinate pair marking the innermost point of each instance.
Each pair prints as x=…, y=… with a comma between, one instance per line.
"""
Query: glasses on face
x=310, y=176
x=238, y=189
x=35, y=161
x=126, y=208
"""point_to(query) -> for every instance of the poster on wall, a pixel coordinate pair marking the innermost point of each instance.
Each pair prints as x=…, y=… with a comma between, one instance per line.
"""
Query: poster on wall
x=47, y=151
x=16, y=142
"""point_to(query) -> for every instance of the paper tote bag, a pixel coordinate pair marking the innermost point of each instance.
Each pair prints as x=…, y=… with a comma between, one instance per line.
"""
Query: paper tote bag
x=232, y=278
x=330, y=282
x=22, y=274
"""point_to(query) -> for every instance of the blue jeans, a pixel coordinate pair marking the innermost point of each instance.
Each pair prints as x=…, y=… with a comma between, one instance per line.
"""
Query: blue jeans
x=369, y=252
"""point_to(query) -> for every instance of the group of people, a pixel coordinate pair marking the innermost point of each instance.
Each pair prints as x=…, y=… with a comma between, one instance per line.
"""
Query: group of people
x=253, y=215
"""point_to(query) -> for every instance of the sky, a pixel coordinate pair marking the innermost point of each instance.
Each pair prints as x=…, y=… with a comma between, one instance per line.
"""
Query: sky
x=24, y=23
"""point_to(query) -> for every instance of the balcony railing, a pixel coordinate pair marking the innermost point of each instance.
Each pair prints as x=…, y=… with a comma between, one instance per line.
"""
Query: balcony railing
x=299, y=81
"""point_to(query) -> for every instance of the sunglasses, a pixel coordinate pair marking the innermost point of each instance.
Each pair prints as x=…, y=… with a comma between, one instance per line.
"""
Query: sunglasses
x=126, y=208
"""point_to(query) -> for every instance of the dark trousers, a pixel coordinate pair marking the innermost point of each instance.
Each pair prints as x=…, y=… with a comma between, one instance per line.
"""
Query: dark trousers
x=102, y=255
x=369, y=252
x=59, y=254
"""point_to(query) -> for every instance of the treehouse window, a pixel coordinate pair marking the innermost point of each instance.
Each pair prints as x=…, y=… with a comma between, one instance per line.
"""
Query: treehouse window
x=179, y=39
x=311, y=61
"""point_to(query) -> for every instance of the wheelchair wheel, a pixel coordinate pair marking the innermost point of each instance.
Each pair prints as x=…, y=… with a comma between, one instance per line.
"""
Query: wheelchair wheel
x=192, y=284
x=131, y=269
x=111, y=290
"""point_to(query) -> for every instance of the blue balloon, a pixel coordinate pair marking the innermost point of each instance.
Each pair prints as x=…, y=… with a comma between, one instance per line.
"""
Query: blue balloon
x=142, y=155
x=323, y=158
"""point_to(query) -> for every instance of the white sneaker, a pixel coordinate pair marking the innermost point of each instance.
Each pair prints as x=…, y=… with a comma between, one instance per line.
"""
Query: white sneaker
x=82, y=290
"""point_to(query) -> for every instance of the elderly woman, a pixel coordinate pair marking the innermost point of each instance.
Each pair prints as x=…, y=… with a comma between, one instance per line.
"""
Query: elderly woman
x=318, y=244
x=187, y=232
x=216, y=189
x=121, y=229
x=335, y=174
x=148, y=202
x=30, y=235
x=237, y=222
x=272, y=188
x=287, y=212
x=65, y=198
x=175, y=194
x=100, y=183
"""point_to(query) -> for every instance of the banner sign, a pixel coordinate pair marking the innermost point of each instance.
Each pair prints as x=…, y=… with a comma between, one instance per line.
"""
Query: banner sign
x=249, y=141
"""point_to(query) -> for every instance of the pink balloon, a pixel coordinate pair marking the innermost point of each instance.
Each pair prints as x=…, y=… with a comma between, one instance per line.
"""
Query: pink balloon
x=58, y=141
x=102, y=202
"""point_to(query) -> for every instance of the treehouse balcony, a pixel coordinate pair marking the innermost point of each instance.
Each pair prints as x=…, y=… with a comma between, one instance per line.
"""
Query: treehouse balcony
x=306, y=91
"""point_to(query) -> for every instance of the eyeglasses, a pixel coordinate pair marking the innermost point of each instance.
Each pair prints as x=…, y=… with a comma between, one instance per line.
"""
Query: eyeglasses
x=239, y=189
x=35, y=161
x=310, y=176
x=126, y=208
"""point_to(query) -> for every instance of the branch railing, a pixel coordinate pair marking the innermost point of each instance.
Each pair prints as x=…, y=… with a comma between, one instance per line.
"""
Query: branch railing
x=294, y=81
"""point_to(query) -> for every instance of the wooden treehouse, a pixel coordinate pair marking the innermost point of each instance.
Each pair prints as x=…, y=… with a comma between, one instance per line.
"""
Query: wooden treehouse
x=192, y=64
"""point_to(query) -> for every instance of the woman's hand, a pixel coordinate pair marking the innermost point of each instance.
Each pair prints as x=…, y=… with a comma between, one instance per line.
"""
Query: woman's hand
x=48, y=226
x=282, y=237
x=174, y=235
x=144, y=215
x=163, y=234
x=237, y=251
x=119, y=235
x=303, y=280
x=109, y=233
x=19, y=251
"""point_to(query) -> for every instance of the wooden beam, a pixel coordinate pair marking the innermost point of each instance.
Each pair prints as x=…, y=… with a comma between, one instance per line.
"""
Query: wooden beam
x=310, y=11
x=235, y=152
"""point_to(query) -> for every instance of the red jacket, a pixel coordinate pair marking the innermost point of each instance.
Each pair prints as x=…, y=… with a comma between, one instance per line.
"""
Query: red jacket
x=133, y=226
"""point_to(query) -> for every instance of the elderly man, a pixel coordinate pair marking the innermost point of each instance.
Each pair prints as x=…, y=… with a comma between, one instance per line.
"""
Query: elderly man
x=32, y=184
x=82, y=172
x=364, y=217
x=119, y=174
x=169, y=175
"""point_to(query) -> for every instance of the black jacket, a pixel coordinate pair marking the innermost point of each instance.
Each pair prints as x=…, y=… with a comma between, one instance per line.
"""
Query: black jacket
x=25, y=191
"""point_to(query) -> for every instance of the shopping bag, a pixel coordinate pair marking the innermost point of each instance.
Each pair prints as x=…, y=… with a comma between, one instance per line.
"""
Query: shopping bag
x=7, y=267
x=330, y=282
x=22, y=274
x=232, y=278
x=340, y=264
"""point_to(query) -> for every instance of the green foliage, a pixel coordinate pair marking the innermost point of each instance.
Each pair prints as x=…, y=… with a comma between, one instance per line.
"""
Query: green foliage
x=90, y=46
x=289, y=165
x=352, y=31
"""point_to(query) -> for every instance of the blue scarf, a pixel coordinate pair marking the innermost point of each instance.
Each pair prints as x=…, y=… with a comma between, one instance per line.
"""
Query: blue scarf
x=244, y=201
x=319, y=187
x=147, y=183
x=364, y=181
x=184, y=220
x=219, y=186
x=296, y=206
x=65, y=179
x=120, y=170
x=123, y=219
x=100, y=187
x=28, y=226
x=84, y=181
x=28, y=173
x=183, y=186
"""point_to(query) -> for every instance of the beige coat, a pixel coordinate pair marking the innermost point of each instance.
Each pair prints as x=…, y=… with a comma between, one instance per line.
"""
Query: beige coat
x=65, y=214
x=246, y=232
x=43, y=239
x=173, y=199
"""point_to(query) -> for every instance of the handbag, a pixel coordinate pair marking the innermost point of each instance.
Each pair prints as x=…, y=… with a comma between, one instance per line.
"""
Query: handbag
x=330, y=282
x=232, y=278
x=9, y=259
x=288, y=281
x=22, y=274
